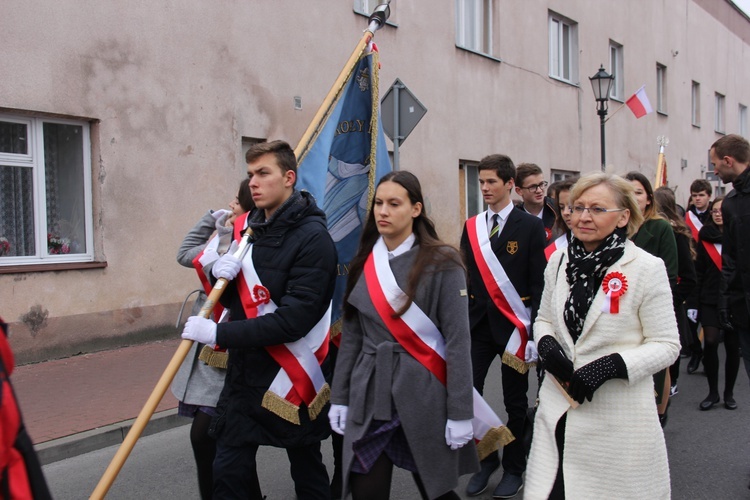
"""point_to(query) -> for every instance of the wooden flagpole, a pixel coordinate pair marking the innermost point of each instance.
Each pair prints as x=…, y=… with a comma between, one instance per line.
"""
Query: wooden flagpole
x=377, y=20
x=614, y=112
x=662, y=141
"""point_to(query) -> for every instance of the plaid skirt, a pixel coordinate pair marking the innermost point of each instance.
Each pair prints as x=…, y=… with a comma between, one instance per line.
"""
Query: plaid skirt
x=383, y=437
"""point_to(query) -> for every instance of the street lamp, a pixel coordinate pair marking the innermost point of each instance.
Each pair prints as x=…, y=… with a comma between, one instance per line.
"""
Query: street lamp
x=601, y=82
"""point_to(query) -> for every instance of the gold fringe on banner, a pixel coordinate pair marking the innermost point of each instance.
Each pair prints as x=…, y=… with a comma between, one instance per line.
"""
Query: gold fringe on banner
x=335, y=330
x=496, y=438
x=317, y=404
x=281, y=407
x=217, y=359
x=516, y=363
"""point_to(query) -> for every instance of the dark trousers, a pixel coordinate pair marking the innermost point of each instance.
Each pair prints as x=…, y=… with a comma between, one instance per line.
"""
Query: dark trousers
x=235, y=473
x=515, y=389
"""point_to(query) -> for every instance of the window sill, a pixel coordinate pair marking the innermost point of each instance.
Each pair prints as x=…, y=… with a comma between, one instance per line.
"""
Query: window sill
x=388, y=23
x=696, y=125
x=719, y=132
x=617, y=99
x=567, y=82
x=38, y=268
x=482, y=54
x=662, y=113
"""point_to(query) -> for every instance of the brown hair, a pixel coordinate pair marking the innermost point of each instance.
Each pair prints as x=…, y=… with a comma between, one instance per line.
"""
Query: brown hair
x=281, y=150
x=502, y=165
x=732, y=145
x=699, y=185
x=652, y=210
x=245, y=196
x=524, y=170
x=432, y=251
x=665, y=198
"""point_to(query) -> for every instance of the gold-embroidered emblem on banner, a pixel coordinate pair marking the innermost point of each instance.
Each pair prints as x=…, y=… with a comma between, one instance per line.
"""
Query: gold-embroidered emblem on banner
x=512, y=247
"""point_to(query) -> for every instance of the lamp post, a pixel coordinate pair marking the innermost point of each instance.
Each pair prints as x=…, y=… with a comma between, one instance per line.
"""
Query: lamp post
x=601, y=82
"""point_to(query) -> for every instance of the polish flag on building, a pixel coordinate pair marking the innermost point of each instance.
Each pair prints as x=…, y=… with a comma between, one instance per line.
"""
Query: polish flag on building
x=639, y=103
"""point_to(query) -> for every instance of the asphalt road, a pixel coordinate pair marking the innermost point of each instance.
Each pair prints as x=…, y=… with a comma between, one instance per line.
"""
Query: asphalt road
x=709, y=454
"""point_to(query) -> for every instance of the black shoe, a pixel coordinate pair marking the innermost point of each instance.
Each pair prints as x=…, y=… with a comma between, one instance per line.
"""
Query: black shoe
x=478, y=482
x=709, y=402
x=509, y=486
x=729, y=402
x=695, y=362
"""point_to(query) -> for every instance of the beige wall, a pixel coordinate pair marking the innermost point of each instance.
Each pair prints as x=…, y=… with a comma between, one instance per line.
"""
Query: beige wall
x=174, y=86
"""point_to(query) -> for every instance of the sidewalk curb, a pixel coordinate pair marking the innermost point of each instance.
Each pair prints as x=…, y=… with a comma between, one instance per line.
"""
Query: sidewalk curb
x=102, y=437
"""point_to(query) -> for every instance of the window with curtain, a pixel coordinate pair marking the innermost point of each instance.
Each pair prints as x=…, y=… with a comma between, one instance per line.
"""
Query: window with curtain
x=471, y=194
x=474, y=25
x=695, y=98
x=719, y=113
x=563, y=48
x=45, y=193
x=661, y=88
x=616, y=68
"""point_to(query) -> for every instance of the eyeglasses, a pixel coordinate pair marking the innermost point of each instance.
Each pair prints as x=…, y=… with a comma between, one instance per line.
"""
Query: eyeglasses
x=716, y=212
x=594, y=211
x=535, y=187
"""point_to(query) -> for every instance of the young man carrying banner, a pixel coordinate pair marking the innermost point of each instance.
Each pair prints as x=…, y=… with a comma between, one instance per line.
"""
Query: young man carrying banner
x=276, y=391
x=504, y=252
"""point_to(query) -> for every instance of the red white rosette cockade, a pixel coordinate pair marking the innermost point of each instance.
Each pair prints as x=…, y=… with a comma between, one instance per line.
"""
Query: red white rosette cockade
x=614, y=285
x=261, y=295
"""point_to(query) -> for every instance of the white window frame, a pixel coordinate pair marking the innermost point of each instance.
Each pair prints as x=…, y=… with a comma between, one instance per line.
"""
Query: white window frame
x=474, y=25
x=35, y=160
x=561, y=175
x=563, y=48
x=616, y=69
x=695, y=104
x=742, y=120
x=470, y=170
x=719, y=113
x=661, y=88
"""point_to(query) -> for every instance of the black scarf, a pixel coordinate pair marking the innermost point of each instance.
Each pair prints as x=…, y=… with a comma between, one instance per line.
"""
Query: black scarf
x=585, y=273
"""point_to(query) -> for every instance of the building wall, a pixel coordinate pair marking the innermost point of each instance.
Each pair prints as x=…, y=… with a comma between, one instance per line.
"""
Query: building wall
x=172, y=87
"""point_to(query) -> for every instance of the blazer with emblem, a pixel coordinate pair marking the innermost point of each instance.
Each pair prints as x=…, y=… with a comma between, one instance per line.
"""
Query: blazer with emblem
x=520, y=250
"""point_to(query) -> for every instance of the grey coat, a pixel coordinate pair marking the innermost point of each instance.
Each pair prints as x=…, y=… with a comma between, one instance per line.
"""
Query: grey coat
x=196, y=383
x=422, y=402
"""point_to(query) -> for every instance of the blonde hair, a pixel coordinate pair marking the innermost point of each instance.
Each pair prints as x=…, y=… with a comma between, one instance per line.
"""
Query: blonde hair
x=622, y=193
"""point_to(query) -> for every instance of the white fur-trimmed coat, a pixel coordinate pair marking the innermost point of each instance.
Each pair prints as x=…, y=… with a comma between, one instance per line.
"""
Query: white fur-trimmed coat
x=614, y=445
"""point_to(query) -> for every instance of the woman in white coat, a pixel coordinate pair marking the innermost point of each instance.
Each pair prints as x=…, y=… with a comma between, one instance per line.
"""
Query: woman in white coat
x=605, y=326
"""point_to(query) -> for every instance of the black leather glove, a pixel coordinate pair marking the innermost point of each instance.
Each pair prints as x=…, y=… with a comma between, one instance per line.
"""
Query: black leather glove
x=590, y=377
x=554, y=359
x=725, y=320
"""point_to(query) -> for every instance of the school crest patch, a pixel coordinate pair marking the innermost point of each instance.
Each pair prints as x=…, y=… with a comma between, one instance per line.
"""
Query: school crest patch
x=511, y=247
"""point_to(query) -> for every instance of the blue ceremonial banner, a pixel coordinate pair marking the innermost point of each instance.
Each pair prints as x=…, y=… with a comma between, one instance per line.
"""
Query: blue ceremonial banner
x=344, y=163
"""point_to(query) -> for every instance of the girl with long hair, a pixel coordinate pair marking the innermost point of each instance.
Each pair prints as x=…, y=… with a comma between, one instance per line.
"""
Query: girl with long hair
x=387, y=399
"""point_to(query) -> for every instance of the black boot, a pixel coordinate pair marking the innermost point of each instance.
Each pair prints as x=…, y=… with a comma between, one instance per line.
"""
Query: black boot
x=695, y=362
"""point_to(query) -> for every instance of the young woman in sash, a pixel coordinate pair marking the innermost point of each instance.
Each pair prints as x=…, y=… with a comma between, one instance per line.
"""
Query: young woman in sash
x=402, y=391
x=655, y=236
x=703, y=308
x=602, y=333
x=561, y=231
x=197, y=385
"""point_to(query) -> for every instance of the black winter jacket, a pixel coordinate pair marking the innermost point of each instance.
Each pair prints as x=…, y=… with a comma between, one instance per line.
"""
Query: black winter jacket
x=295, y=258
x=735, y=264
x=709, y=276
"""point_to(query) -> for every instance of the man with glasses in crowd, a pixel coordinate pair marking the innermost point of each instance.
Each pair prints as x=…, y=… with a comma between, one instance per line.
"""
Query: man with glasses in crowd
x=531, y=187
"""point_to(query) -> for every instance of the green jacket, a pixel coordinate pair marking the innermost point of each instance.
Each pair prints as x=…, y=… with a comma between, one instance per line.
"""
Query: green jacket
x=657, y=238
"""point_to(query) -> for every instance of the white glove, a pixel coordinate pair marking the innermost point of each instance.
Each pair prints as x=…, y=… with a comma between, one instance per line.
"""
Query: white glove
x=692, y=315
x=228, y=266
x=458, y=433
x=221, y=215
x=337, y=417
x=531, y=355
x=208, y=256
x=201, y=330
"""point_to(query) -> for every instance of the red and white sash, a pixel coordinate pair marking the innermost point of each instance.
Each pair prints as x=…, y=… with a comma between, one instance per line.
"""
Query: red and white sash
x=300, y=379
x=501, y=291
x=713, y=249
x=560, y=242
x=416, y=333
x=202, y=260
